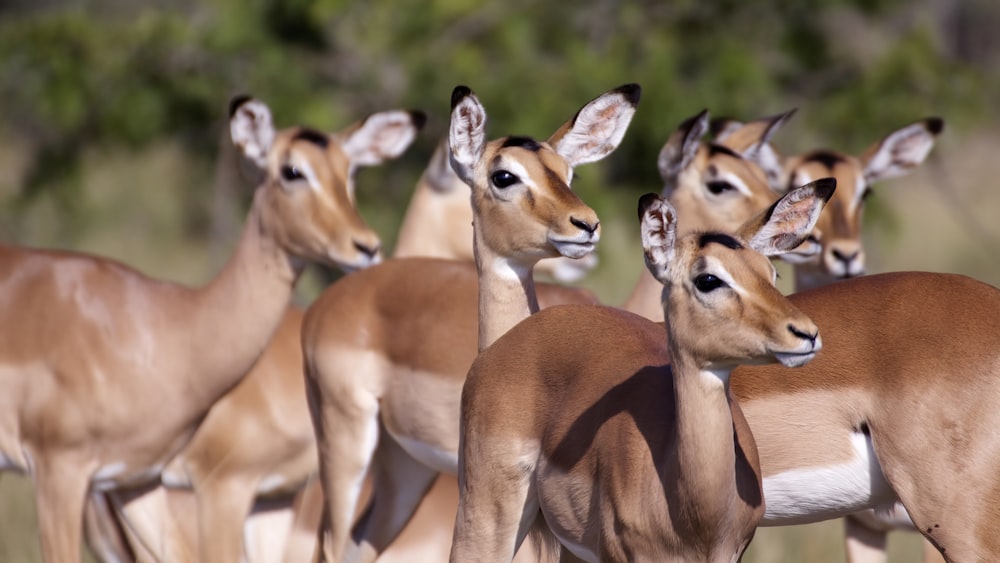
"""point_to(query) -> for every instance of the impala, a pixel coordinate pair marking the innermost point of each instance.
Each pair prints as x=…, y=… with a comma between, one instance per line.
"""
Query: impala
x=107, y=373
x=841, y=255
x=620, y=437
x=377, y=340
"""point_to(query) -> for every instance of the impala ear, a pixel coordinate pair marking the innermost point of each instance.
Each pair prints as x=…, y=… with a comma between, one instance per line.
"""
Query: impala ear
x=467, y=133
x=901, y=151
x=438, y=175
x=381, y=136
x=251, y=128
x=598, y=128
x=658, y=225
x=680, y=148
x=786, y=224
x=753, y=141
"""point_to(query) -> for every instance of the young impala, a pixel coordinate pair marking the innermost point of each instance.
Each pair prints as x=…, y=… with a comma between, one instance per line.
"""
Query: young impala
x=622, y=437
x=107, y=373
x=841, y=255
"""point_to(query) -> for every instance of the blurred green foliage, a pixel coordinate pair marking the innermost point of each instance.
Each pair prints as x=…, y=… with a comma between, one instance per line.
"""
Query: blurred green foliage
x=139, y=72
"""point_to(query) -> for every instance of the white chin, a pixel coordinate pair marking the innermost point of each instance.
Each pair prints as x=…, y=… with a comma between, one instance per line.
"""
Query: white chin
x=795, y=360
x=574, y=250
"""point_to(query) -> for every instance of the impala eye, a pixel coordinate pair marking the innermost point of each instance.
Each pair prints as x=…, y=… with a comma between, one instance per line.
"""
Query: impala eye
x=866, y=194
x=707, y=282
x=291, y=173
x=719, y=186
x=503, y=179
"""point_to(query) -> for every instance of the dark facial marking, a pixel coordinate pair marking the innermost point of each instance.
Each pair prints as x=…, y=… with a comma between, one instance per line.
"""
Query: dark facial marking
x=236, y=102
x=714, y=149
x=313, y=136
x=719, y=238
x=826, y=158
x=526, y=143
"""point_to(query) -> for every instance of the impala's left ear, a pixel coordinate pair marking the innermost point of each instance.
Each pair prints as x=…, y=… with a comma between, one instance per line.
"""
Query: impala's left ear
x=381, y=136
x=658, y=225
x=467, y=133
x=598, y=128
x=783, y=226
x=901, y=151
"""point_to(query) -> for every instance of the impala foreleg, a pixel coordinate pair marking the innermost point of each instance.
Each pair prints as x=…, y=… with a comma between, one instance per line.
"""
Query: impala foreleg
x=60, y=492
x=223, y=507
x=152, y=520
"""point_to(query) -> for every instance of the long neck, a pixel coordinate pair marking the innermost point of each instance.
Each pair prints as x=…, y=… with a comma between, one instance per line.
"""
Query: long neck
x=810, y=276
x=233, y=316
x=705, y=445
x=437, y=224
x=506, y=294
x=645, y=298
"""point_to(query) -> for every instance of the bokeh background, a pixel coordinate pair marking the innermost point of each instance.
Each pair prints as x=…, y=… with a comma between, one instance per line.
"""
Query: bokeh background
x=114, y=138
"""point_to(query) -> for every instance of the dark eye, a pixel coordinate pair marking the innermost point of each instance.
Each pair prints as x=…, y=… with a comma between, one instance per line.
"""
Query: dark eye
x=707, y=282
x=865, y=194
x=812, y=238
x=503, y=179
x=719, y=186
x=290, y=173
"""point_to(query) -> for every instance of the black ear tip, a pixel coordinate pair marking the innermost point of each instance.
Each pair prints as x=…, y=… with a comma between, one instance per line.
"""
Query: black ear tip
x=718, y=125
x=825, y=187
x=236, y=102
x=419, y=118
x=935, y=125
x=458, y=94
x=646, y=201
x=632, y=92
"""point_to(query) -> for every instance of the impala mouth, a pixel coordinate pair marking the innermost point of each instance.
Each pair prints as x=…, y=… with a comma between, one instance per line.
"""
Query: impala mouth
x=574, y=248
x=794, y=359
x=356, y=264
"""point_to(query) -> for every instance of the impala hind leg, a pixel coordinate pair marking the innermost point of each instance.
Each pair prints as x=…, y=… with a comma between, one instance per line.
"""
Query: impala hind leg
x=60, y=492
x=223, y=508
x=864, y=542
x=103, y=531
x=346, y=423
x=399, y=484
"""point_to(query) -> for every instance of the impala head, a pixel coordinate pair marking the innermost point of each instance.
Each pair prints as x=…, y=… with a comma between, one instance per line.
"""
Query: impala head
x=306, y=200
x=837, y=247
x=520, y=186
x=719, y=297
x=716, y=186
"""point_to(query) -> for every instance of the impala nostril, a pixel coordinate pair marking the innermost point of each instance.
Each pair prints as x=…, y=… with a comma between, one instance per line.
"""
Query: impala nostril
x=845, y=258
x=580, y=223
x=369, y=250
x=811, y=337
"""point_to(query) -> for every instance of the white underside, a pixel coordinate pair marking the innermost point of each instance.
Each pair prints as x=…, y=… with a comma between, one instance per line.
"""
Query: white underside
x=443, y=461
x=819, y=493
x=116, y=474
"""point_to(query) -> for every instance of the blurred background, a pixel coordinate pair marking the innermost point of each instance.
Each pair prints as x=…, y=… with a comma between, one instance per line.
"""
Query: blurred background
x=114, y=133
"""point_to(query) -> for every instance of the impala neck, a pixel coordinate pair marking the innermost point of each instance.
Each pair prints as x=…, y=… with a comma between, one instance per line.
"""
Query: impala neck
x=506, y=293
x=234, y=315
x=706, y=454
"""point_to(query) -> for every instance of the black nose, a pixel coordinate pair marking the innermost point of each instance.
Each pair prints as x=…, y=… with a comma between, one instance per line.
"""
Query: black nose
x=803, y=334
x=369, y=251
x=846, y=259
x=580, y=223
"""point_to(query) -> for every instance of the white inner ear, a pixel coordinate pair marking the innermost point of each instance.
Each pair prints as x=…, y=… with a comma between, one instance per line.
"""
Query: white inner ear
x=899, y=152
x=467, y=137
x=594, y=135
x=382, y=136
x=659, y=235
x=252, y=131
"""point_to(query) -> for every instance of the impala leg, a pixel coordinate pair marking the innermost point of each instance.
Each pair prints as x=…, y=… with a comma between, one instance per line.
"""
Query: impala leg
x=223, y=506
x=148, y=515
x=496, y=508
x=306, y=515
x=103, y=532
x=60, y=492
x=400, y=483
x=864, y=543
x=347, y=431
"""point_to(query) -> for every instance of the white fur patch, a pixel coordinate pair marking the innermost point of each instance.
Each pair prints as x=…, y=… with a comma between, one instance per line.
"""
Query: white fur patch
x=809, y=495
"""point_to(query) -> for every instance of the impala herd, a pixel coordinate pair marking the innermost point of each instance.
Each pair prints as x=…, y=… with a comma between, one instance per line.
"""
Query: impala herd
x=441, y=404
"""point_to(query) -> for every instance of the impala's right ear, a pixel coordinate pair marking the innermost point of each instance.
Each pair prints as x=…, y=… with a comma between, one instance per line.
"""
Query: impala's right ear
x=753, y=141
x=467, y=134
x=680, y=148
x=658, y=223
x=786, y=224
x=251, y=128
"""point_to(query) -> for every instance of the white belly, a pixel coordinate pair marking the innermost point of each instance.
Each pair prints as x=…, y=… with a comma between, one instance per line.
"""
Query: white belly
x=819, y=493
